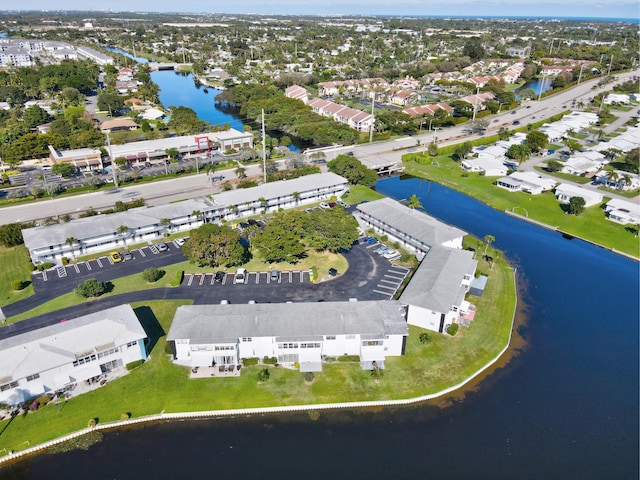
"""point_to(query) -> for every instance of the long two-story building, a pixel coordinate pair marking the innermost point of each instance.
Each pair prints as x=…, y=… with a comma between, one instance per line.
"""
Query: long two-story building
x=61, y=356
x=302, y=333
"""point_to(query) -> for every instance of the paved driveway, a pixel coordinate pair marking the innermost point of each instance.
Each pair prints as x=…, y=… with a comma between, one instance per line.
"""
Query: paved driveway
x=369, y=277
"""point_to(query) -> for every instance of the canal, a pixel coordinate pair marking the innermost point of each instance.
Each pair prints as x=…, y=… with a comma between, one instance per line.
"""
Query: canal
x=564, y=407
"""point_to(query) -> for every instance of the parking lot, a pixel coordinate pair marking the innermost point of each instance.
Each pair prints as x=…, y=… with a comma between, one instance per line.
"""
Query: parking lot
x=253, y=278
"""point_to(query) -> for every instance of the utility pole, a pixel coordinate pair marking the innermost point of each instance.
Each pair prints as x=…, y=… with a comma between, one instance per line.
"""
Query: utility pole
x=580, y=75
x=264, y=150
x=113, y=162
x=610, y=62
x=373, y=118
x=541, y=85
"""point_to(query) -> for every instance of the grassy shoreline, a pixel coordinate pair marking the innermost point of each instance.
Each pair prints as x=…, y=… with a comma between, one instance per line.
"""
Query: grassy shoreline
x=159, y=385
x=591, y=225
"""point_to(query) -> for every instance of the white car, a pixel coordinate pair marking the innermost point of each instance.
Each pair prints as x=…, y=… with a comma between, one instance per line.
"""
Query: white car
x=180, y=241
x=241, y=274
x=324, y=205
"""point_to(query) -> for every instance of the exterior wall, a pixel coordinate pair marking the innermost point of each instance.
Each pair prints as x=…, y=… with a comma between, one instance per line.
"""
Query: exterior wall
x=51, y=380
x=423, y=318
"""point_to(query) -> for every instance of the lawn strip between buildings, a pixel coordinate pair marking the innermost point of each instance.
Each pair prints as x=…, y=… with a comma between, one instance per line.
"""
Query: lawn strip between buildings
x=160, y=386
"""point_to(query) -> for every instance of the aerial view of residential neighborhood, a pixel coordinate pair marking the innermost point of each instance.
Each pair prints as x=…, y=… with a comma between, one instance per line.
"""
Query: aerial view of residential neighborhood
x=193, y=217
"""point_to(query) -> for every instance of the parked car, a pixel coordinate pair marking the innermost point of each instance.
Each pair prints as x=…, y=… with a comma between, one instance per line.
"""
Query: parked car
x=241, y=275
x=390, y=253
x=162, y=247
x=342, y=204
x=126, y=255
x=218, y=277
x=180, y=241
x=275, y=275
x=324, y=205
x=382, y=249
x=370, y=240
x=115, y=257
x=333, y=272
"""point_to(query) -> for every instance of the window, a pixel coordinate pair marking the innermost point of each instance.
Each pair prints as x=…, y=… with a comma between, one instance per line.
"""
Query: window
x=33, y=377
x=220, y=348
x=246, y=339
x=330, y=337
x=83, y=360
x=371, y=343
x=310, y=345
x=287, y=345
x=7, y=386
x=111, y=351
x=132, y=344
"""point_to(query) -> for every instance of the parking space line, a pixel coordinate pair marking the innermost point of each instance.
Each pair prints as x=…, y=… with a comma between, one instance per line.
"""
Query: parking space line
x=386, y=287
x=202, y=278
x=301, y=276
x=88, y=265
x=384, y=293
x=44, y=275
x=257, y=277
x=76, y=267
x=389, y=281
x=394, y=277
x=141, y=252
x=99, y=262
x=213, y=278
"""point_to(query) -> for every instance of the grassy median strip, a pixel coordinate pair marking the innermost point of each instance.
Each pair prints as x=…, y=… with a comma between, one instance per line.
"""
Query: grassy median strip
x=159, y=385
x=590, y=225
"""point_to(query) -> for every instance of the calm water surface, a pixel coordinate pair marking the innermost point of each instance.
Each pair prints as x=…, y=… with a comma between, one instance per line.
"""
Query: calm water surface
x=565, y=408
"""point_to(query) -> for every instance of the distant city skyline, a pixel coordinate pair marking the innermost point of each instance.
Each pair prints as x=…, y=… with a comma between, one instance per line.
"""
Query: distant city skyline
x=514, y=8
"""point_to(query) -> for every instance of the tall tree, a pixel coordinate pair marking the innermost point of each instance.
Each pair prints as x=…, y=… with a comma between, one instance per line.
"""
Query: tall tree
x=214, y=246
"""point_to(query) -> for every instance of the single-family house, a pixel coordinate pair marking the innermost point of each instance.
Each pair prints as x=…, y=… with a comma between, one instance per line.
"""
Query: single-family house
x=118, y=124
x=294, y=333
x=619, y=98
x=623, y=211
x=486, y=165
x=565, y=192
x=58, y=357
x=528, y=182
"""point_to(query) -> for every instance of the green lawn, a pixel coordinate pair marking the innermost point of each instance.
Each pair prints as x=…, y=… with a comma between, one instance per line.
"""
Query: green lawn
x=14, y=265
x=358, y=194
x=564, y=176
x=159, y=385
x=590, y=225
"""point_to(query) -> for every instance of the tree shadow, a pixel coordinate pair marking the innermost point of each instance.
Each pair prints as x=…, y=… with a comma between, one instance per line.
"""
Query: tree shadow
x=151, y=326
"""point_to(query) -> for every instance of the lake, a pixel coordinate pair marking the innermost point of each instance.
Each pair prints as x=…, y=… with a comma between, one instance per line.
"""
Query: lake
x=565, y=407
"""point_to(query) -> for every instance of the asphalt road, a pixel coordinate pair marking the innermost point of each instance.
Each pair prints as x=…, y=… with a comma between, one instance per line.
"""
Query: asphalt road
x=379, y=152
x=369, y=277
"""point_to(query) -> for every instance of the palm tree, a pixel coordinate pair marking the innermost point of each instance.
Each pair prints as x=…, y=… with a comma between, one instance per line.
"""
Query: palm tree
x=612, y=177
x=71, y=241
x=264, y=204
x=166, y=223
x=626, y=180
x=489, y=239
x=123, y=231
x=414, y=202
x=233, y=209
x=296, y=197
x=239, y=171
x=210, y=170
x=197, y=214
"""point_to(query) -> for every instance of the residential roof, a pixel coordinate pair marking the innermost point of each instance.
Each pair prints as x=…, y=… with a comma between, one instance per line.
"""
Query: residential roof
x=91, y=227
x=118, y=123
x=411, y=221
x=281, y=188
x=60, y=344
x=437, y=283
x=291, y=321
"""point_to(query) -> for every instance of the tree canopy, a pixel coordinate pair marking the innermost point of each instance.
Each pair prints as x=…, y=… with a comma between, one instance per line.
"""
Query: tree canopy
x=536, y=140
x=215, y=246
x=350, y=168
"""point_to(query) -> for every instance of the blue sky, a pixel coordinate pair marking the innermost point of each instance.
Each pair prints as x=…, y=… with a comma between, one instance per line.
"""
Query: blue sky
x=542, y=8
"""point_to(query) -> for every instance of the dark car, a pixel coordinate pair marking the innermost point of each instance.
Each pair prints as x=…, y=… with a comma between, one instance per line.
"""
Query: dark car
x=333, y=272
x=370, y=240
x=218, y=277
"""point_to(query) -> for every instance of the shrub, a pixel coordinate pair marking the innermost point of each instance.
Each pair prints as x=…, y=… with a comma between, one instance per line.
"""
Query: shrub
x=152, y=274
x=31, y=266
x=168, y=349
x=263, y=375
x=424, y=338
x=269, y=361
x=178, y=279
x=125, y=416
x=309, y=376
x=453, y=329
x=43, y=400
x=18, y=285
x=250, y=362
x=384, y=238
x=134, y=364
x=349, y=358
x=91, y=288
x=92, y=422
x=45, y=266
x=65, y=261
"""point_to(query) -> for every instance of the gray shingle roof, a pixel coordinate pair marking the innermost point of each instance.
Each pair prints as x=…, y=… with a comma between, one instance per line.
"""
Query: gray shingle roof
x=60, y=344
x=300, y=321
x=410, y=221
x=436, y=285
